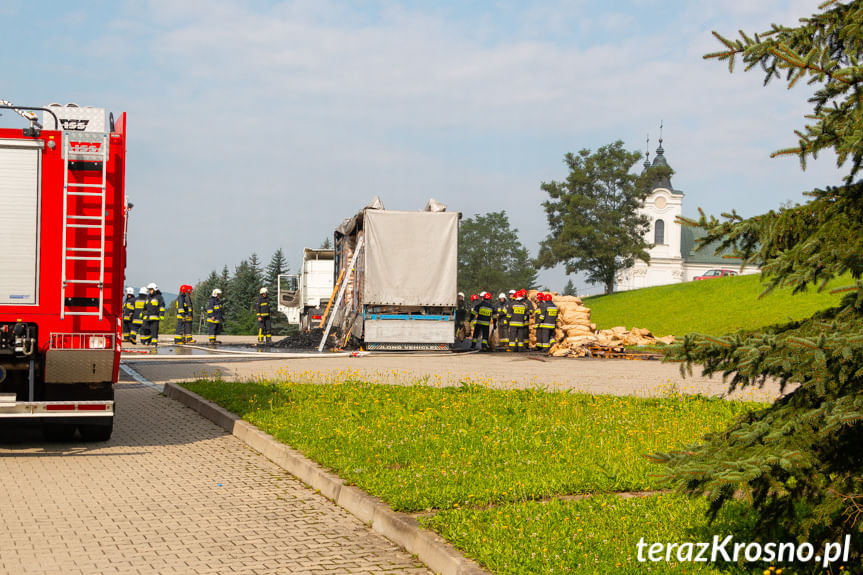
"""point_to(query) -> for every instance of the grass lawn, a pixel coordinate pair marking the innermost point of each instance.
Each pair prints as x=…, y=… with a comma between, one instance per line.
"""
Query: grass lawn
x=421, y=447
x=480, y=459
x=716, y=307
x=599, y=534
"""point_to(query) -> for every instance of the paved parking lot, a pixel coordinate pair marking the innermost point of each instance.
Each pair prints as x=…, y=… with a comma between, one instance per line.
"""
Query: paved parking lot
x=170, y=493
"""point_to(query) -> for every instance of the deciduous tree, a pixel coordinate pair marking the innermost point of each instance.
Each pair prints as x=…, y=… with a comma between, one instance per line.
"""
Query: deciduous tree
x=593, y=216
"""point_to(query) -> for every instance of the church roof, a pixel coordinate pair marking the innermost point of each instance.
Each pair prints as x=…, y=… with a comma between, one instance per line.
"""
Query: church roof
x=688, y=238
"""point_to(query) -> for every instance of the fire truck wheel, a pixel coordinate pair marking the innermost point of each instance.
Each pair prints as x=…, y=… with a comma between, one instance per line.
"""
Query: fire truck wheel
x=96, y=431
x=58, y=432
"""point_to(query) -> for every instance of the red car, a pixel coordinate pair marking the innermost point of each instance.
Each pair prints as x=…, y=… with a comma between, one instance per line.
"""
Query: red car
x=712, y=274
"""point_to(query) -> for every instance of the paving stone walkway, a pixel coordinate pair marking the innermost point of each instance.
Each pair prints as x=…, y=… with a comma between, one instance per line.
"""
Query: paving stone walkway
x=170, y=493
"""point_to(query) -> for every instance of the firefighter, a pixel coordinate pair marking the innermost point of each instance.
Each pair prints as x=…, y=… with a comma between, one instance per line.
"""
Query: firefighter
x=183, y=306
x=500, y=323
x=518, y=316
x=471, y=314
x=128, y=312
x=546, y=323
x=214, y=316
x=262, y=310
x=460, y=317
x=188, y=317
x=536, y=307
x=154, y=312
x=484, y=311
x=138, y=327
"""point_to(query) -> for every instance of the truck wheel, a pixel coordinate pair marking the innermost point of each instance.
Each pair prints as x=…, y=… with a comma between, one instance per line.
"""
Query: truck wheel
x=97, y=431
x=58, y=432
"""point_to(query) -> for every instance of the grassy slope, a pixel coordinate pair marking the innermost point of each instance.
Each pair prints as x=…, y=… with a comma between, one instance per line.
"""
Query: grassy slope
x=716, y=307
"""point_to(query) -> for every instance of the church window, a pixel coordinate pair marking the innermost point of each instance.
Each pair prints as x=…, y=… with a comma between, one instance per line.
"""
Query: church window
x=659, y=233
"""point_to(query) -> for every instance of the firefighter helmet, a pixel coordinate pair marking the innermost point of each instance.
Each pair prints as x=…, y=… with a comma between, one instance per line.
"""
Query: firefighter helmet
x=142, y=291
x=263, y=290
x=460, y=294
x=512, y=292
x=486, y=295
x=474, y=297
x=152, y=286
x=540, y=296
x=216, y=292
x=501, y=295
x=130, y=291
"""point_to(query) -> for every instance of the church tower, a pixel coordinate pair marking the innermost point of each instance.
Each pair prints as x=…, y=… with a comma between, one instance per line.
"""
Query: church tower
x=662, y=207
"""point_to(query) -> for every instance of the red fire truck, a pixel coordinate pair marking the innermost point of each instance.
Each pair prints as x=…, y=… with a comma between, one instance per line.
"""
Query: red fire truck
x=63, y=213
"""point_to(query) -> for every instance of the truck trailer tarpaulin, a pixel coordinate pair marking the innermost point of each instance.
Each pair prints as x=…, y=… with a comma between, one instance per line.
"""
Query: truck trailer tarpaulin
x=411, y=258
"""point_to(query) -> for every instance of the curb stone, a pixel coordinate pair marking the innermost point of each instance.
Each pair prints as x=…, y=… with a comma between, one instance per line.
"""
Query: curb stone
x=402, y=529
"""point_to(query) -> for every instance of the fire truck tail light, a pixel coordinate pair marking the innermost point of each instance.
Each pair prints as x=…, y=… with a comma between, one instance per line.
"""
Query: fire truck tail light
x=61, y=407
x=92, y=407
x=97, y=342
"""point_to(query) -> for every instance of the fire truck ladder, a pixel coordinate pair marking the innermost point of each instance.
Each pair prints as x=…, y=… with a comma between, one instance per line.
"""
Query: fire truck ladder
x=89, y=147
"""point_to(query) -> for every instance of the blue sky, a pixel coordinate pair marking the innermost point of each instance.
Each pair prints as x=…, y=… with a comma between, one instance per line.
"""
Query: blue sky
x=262, y=124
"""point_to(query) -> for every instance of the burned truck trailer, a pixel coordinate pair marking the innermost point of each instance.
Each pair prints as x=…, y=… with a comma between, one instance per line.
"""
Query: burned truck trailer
x=397, y=271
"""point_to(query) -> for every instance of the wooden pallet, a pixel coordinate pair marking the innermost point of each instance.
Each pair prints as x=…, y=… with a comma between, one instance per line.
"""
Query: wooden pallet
x=618, y=352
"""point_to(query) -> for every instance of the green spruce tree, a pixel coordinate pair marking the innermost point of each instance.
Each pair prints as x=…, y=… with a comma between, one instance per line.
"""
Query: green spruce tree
x=240, y=298
x=800, y=461
x=278, y=266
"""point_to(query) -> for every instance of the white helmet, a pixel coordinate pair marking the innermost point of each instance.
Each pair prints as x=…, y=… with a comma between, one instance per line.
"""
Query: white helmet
x=216, y=292
x=151, y=285
x=142, y=291
x=501, y=295
x=263, y=290
x=460, y=294
x=512, y=292
x=130, y=291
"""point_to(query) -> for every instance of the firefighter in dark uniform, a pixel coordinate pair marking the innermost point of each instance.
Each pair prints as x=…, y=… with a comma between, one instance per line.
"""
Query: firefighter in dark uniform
x=183, y=306
x=138, y=316
x=471, y=315
x=214, y=316
x=518, y=316
x=484, y=311
x=500, y=323
x=188, y=322
x=537, y=308
x=154, y=312
x=262, y=310
x=188, y=318
x=546, y=323
x=128, y=312
x=460, y=317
